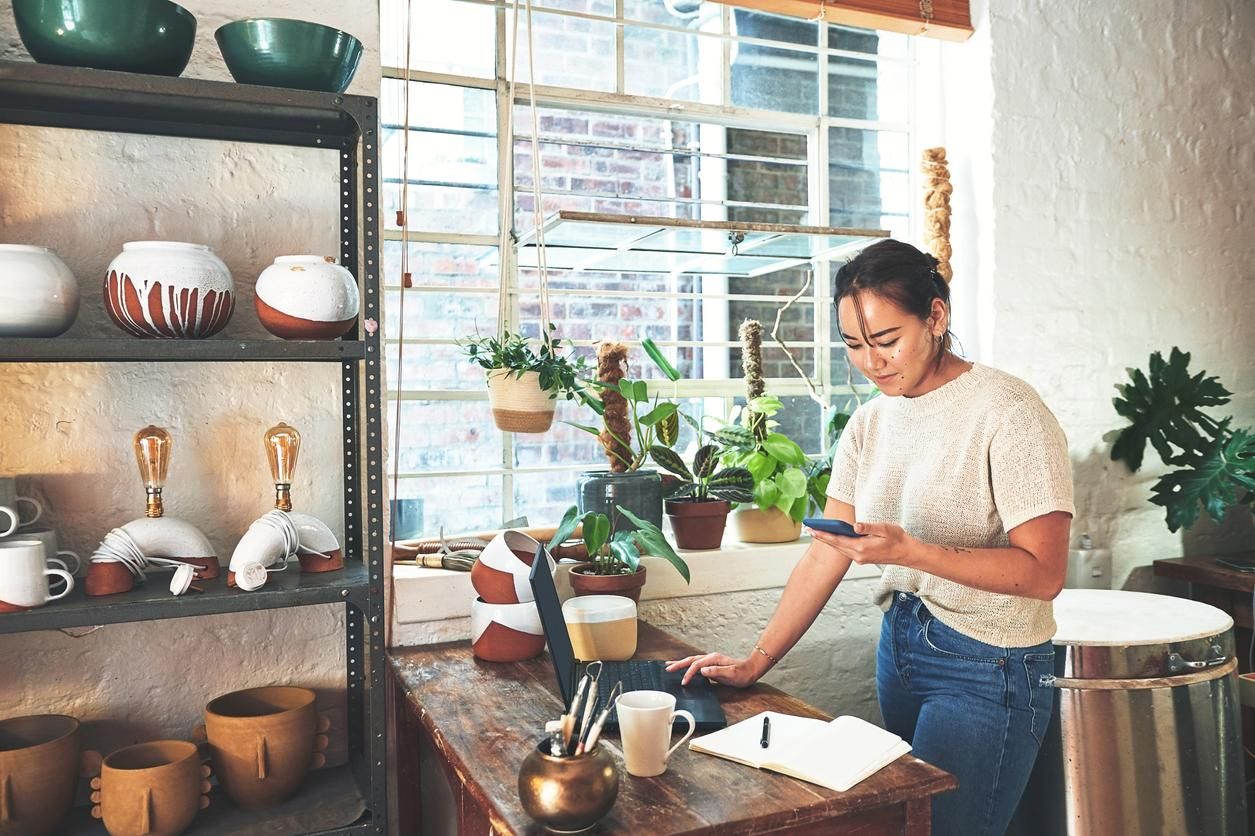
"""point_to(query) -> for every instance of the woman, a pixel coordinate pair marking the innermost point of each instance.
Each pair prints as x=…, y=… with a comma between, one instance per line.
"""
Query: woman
x=961, y=483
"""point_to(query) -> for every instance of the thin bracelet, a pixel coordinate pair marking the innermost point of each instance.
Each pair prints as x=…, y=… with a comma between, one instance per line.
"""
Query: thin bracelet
x=773, y=659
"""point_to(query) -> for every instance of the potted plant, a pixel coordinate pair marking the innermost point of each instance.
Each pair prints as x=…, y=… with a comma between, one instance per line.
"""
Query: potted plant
x=632, y=424
x=699, y=504
x=1214, y=466
x=614, y=552
x=779, y=467
x=524, y=382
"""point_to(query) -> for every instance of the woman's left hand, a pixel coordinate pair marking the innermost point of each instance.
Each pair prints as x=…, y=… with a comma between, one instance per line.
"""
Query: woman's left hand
x=884, y=543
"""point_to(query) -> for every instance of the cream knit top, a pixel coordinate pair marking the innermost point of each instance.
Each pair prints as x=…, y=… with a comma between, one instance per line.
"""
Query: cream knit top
x=959, y=466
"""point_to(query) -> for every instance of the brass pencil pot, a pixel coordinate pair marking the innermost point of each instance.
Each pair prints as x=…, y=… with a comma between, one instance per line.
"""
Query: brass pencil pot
x=568, y=795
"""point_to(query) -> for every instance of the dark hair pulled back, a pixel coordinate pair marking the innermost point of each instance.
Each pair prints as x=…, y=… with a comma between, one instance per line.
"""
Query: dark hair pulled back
x=896, y=271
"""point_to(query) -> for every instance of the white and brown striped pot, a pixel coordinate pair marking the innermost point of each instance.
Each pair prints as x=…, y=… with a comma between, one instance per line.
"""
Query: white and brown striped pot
x=518, y=403
x=169, y=290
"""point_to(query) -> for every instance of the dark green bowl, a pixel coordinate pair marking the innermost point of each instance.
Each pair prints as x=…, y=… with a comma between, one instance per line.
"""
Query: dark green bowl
x=136, y=36
x=289, y=53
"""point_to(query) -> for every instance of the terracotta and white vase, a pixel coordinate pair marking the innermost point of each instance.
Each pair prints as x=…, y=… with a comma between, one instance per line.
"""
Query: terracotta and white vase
x=169, y=290
x=306, y=297
x=262, y=741
x=518, y=403
x=505, y=632
x=151, y=789
x=39, y=768
x=500, y=573
x=38, y=293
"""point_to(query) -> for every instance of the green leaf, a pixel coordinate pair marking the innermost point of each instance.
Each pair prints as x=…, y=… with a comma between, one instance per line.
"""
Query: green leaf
x=766, y=405
x=705, y=460
x=735, y=437
x=733, y=484
x=625, y=389
x=670, y=460
x=596, y=530
x=663, y=364
x=761, y=465
x=784, y=450
x=797, y=512
x=792, y=483
x=653, y=543
x=640, y=391
x=784, y=504
x=585, y=427
x=668, y=429
x=658, y=413
x=1210, y=480
x=565, y=528
x=766, y=493
x=1164, y=409
x=641, y=525
x=625, y=550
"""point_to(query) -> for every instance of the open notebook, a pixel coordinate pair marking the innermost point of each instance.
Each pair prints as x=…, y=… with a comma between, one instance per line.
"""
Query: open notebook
x=836, y=754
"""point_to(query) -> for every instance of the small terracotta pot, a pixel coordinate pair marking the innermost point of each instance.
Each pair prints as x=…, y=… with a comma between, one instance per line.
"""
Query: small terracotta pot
x=698, y=524
x=629, y=586
x=39, y=765
x=505, y=632
x=151, y=789
x=262, y=741
x=753, y=525
x=500, y=574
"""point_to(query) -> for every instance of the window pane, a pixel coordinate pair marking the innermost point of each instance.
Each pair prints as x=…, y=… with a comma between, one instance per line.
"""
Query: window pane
x=566, y=445
x=439, y=106
x=869, y=41
x=433, y=367
x=790, y=30
x=862, y=190
x=447, y=435
x=604, y=8
x=873, y=90
x=672, y=65
x=442, y=265
x=543, y=498
x=774, y=79
x=443, y=209
x=570, y=52
x=457, y=504
x=690, y=14
x=448, y=37
x=801, y=419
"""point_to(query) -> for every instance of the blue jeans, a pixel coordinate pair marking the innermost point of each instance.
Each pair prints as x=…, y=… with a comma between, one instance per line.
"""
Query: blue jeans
x=975, y=710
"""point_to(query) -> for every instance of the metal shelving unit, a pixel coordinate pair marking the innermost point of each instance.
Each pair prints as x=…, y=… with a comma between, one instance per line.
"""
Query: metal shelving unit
x=68, y=97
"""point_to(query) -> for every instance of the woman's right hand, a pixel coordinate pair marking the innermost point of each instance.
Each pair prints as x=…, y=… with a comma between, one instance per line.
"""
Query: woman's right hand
x=720, y=669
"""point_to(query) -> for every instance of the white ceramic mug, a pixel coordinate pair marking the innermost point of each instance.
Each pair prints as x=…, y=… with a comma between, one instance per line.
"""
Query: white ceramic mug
x=24, y=575
x=10, y=516
x=55, y=556
x=645, y=730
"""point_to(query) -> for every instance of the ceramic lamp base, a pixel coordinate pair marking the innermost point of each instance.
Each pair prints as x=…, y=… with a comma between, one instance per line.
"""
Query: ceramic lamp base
x=317, y=563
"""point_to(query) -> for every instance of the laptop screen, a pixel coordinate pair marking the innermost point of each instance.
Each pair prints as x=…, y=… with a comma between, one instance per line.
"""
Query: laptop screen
x=554, y=625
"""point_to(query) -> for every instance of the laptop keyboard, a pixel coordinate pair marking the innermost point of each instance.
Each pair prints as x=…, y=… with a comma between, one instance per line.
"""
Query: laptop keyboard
x=635, y=676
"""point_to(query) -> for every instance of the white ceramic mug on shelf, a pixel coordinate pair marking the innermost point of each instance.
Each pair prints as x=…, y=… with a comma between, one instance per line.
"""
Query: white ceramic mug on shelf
x=24, y=576
x=10, y=504
x=65, y=558
x=645, y=730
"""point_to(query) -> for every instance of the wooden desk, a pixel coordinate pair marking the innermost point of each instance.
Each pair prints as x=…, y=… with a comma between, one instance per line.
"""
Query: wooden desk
x=1211, y=583
x=483, y=718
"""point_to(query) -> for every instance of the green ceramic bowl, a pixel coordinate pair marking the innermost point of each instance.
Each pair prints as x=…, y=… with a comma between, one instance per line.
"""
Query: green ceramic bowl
x=136, y=36
x=289, y=53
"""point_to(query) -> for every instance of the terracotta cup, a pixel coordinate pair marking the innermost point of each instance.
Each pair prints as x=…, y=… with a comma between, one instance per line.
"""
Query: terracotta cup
x=262, y=741
x=151, y=789
x=39, y=765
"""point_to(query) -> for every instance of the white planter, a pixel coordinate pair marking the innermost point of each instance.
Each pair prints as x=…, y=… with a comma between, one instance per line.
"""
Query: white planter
x=38, y=293
x=306, y=297
x=519, y=405
x=169, y=290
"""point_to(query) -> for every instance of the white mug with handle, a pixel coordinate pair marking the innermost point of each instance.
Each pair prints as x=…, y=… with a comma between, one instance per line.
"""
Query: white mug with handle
x=10, y=515
x=24, y=576
x=645, y=730
x=57, y=557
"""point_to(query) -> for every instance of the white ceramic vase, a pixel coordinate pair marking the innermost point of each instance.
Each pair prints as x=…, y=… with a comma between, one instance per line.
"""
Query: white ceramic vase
x=306, y=297
x=38, y=293
x=169, y=290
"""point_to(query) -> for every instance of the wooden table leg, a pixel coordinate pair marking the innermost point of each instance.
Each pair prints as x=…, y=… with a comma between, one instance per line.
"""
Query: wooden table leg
x=919, y=817
x=405, y=731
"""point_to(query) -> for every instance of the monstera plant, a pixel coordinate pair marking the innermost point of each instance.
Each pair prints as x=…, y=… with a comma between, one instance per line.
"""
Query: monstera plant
x=1213, y=464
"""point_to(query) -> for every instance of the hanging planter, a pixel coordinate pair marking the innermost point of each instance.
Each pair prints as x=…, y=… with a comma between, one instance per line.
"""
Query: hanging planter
x=518, y=403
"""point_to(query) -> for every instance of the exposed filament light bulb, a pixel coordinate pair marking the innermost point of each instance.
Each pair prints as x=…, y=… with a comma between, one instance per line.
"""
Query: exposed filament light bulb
x=283, y=443
x=152, y=453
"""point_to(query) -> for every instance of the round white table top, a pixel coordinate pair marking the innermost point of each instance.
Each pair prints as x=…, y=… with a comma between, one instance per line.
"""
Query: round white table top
x=1109, y=617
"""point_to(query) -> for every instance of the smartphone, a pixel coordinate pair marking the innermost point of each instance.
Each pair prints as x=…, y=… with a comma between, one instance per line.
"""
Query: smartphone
x=831, y=526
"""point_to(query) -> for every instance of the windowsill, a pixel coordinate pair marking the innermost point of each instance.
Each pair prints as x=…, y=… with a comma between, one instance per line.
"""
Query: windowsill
x=425, y=595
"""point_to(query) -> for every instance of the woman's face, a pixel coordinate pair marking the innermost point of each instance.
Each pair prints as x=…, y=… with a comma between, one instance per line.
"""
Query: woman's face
x=893, y=348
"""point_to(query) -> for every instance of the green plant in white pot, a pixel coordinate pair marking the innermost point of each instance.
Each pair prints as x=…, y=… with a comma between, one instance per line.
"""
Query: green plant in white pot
x=525, y=382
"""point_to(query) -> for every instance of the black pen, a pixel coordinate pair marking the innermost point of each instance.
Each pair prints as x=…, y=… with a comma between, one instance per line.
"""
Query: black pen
x=766, y=732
